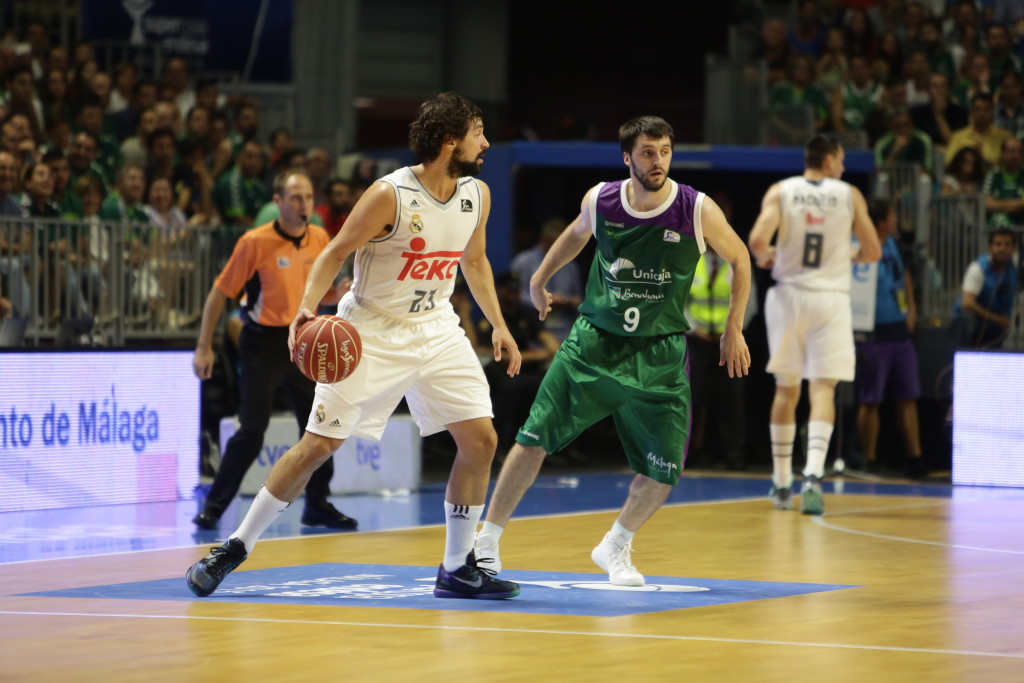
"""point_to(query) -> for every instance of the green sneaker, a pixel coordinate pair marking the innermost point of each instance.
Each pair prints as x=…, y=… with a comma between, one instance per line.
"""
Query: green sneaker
x=811, y=501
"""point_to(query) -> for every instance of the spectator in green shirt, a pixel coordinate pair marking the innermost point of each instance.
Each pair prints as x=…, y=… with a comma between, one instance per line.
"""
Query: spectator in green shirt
x=1003, y=187
x=70, y=204
x=90, y=119
x=904, y=144
x=793, y=94
x=247, y=123
x=82, y=159
x=239, y=194
x=125, y=204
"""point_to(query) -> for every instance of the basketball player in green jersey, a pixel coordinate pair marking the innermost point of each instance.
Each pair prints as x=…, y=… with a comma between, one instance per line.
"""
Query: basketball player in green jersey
x=626, y=354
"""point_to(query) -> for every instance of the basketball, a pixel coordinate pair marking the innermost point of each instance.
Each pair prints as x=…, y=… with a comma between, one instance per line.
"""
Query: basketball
x=327, y=349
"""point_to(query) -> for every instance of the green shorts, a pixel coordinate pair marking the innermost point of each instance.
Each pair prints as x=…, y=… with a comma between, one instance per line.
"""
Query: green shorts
x=642, y=381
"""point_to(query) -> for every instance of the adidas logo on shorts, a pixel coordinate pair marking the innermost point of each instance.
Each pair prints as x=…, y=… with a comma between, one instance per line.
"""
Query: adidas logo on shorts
x=335, y=424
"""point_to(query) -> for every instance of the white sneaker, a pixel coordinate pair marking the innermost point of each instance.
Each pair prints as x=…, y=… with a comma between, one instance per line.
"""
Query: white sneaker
x=485, y=548
x=615, y=560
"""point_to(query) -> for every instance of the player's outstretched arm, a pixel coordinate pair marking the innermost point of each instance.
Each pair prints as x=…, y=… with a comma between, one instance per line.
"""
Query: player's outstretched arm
x=477, y=269
x=764, y=229
x=734, y=352
x=567, y=247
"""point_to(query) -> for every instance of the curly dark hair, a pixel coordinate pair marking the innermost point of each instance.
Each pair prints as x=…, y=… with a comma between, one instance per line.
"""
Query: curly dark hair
x=448, y=115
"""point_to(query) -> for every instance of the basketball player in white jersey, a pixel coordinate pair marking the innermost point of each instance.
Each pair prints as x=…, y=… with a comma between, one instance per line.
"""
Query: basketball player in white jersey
x=411, y=232
x=807, y=312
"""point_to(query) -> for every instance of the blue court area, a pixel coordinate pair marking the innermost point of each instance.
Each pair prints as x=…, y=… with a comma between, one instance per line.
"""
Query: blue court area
x=105, y=529
x=374, y=585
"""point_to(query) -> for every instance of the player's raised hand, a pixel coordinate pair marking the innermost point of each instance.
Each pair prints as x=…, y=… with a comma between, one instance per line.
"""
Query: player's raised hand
x=734, y=354
x=301, y=318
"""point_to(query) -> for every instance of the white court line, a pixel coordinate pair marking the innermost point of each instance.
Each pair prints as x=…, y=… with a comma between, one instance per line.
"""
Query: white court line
x=823, y=522
x=534, y=631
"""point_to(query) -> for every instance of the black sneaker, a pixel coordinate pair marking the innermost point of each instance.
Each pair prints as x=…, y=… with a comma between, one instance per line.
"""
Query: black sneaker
x=325, y=514
x=205, y=575
x=206, y=521
x=469, y=581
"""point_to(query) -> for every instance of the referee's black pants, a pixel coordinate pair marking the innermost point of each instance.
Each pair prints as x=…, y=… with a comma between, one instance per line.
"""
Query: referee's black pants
x=265, y=366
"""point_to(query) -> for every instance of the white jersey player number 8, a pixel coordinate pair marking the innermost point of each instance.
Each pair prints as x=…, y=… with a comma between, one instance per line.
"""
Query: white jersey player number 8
x=813, y=247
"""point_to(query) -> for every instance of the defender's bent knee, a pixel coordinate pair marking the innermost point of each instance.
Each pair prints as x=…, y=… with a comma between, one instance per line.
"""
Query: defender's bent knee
x=315, y=449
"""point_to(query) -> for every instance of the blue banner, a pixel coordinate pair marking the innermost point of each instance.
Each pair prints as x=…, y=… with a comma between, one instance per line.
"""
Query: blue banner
x=252, y=39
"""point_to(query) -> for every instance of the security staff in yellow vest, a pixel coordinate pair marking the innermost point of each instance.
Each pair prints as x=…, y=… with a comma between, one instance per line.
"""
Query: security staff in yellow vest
x=717, y=433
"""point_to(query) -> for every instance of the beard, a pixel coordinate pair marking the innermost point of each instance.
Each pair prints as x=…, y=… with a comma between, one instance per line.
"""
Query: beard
x=459, y=167
x=647, y=183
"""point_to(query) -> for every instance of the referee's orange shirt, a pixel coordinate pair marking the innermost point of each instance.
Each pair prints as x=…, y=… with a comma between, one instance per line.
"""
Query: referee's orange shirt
x=271, y=267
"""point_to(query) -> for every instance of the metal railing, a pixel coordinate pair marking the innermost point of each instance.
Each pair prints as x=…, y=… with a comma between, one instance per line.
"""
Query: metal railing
x=109, y=283
x=910, y=191
x=957, y=235
x=735, y=102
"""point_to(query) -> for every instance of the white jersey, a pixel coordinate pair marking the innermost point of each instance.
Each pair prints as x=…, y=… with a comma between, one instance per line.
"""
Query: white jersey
x=410, y=272
x=814, y=246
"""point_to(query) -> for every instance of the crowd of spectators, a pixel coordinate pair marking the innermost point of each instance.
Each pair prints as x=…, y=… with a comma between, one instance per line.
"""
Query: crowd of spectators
x=915, y=81
x=81, y=143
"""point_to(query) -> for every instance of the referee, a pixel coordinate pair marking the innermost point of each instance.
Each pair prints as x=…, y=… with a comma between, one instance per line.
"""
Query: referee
x=270, y=263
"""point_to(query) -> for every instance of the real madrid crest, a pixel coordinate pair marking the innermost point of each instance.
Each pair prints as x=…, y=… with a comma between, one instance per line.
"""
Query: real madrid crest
x=416, y=223
x=318, y=417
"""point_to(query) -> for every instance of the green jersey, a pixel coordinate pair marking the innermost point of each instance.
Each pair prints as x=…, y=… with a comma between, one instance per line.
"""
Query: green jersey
x=645, y=261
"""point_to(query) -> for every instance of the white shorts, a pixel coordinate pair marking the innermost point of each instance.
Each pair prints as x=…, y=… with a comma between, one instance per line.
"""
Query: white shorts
x=432, y=364
x=810, y=333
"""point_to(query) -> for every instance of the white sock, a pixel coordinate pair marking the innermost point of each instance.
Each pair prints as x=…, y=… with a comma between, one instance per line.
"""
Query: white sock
x=819, y=433
x=620, y=535
x=265, y=509
x=782, y=453
x=460, y=523
x=492, y=530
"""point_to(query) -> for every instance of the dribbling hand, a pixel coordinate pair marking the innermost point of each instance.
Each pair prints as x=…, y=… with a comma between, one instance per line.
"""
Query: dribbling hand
x=301, y=318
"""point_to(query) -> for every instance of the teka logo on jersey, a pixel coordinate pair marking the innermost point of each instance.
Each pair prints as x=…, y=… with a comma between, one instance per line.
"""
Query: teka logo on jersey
x=432, y=265
x=815, y=220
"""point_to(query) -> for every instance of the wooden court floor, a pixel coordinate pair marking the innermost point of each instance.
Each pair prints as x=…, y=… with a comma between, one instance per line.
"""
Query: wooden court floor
x=937, y=594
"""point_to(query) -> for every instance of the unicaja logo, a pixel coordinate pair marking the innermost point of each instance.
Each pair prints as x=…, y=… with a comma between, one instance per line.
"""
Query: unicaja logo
x=619, y=264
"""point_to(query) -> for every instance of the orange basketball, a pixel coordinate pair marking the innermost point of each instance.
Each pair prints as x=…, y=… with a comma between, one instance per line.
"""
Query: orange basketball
x=327, y=349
